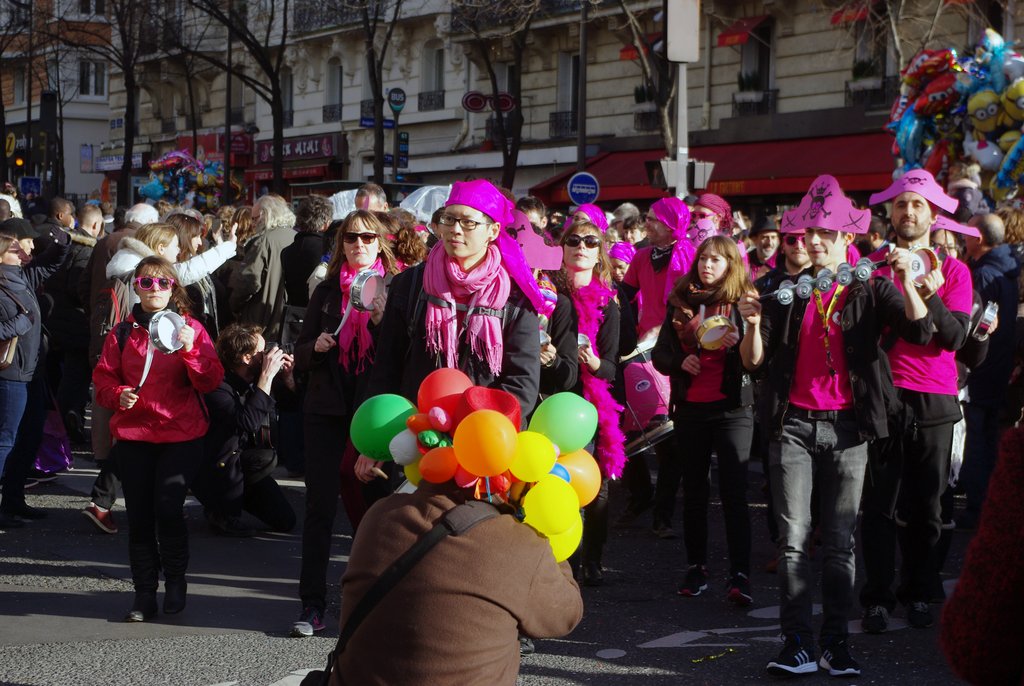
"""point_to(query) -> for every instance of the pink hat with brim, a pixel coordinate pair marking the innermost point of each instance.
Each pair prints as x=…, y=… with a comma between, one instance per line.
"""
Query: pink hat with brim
x=539, y=254
x=596, y=215
x=673, y=213
x=481, y=195
x=947, y=224
x=921, y=182
x=826, y=207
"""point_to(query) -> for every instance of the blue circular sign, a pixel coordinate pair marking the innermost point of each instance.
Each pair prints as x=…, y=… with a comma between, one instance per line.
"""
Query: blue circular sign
x=583, y=188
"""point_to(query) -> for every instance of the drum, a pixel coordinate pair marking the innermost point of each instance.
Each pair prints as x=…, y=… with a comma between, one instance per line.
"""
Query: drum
x=922, y=262
x=650, y=438
x=640, y=351
x=163, y=331
x=713, y=330
x=365, y=288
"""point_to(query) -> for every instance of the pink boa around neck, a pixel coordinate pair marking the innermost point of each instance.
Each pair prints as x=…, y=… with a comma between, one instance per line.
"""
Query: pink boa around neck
x=590, y=302
x=485, y=286
x=357, y=326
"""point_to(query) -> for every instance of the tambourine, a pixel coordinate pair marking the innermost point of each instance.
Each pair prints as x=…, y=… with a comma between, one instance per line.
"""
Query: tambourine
x=923, y=260
x=824, y=280
x=365, y=288
x=163, y=331
x=713, y=330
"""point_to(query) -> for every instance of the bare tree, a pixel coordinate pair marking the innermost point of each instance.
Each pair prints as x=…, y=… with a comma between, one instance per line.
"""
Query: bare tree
x=128, y=20
x=13, y=28
x=261, y=30
x=490, y=24
x=659, y=75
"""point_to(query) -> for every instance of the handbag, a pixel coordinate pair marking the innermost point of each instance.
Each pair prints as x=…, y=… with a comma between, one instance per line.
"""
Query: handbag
x=9, y=346
x=454, y=522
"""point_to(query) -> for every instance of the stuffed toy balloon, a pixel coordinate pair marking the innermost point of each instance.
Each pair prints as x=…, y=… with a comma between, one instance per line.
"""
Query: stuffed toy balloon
x=1008, y=140
x=988, y=155
x=377, y=421
x=984, y=109
x=567, y=419
x=1013, y=100
x=1010, y=172
x=1013, y=67
x=938, y=96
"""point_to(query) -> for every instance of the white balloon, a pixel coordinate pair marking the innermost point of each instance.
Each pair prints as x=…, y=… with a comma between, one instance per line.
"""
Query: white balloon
x=1013, y=67
x=404, y=449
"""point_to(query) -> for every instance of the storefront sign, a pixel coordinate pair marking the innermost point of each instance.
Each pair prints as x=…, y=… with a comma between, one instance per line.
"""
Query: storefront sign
x=113, y=162
x=304, y=148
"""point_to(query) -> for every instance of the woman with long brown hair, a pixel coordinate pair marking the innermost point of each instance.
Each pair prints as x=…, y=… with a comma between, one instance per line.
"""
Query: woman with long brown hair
x=586, y=279
x=712, y=399
x=159, y=422
x=206, y=304
x=337, y=359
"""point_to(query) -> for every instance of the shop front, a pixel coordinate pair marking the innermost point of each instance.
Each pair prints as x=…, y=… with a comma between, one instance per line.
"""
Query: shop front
x=308, y=161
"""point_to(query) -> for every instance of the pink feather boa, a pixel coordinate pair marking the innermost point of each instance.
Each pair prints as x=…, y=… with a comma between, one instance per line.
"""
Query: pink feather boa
x=590, y=302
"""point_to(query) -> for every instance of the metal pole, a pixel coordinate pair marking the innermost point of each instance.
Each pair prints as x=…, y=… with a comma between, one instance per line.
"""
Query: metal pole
x=581, y=105
x=29, y=71
x=394, y=155
x=227, y=193
x=682, y=133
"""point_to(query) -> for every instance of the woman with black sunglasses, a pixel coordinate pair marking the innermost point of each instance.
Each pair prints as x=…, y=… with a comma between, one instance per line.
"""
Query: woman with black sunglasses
x=337, y=361
x=159, y=422
x=586, y=279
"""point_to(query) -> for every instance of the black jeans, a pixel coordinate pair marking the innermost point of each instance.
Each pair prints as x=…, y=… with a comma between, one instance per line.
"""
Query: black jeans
x=670, y=472
x=155, y=478
x=907, y=482
x=325, y=437
x=700, y=429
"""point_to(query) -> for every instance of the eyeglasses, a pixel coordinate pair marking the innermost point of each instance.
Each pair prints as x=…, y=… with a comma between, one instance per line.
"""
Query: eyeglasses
x=574, y=240
x=366, y=238
x=793, y=240
x=466, y=223
x=149, y=283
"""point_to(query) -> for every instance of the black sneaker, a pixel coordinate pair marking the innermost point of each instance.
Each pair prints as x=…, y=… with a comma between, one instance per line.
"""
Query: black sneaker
x=919, y=615
x=835, y=657
x=696, y=581
x=526, y=646
x=793, y=659
x=738, y=590
x=310, y=621
x=875, y=620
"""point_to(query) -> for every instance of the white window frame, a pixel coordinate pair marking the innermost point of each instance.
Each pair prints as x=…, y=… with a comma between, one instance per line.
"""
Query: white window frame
x=92, y=79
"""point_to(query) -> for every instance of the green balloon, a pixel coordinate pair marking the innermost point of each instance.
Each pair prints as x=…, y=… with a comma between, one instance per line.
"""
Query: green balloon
x=567, y=419
x=377, y=421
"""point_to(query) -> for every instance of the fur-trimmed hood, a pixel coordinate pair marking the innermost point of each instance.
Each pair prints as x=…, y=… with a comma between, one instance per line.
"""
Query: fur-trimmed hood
x=130, y=251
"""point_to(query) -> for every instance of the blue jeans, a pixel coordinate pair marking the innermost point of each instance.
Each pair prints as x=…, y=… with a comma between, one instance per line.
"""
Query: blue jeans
x=832, y=456
x=13, y=396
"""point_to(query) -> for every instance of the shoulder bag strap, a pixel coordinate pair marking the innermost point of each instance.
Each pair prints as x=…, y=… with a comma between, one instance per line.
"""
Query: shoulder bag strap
x=11, y=295
x=454, y=522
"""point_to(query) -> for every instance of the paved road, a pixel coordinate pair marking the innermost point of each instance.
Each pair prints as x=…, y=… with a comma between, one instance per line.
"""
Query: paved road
x=64, y=588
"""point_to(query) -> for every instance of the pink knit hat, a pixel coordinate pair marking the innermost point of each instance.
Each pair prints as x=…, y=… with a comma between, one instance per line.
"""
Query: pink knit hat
x=719, y=206
x=921, y=182
x=826, y=207
x=596, y=215
x=481, y=195
x=946, y=224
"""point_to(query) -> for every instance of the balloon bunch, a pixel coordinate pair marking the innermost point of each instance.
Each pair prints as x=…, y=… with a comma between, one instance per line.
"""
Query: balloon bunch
x=544, y=471
x=181, y=178
x=952, y=109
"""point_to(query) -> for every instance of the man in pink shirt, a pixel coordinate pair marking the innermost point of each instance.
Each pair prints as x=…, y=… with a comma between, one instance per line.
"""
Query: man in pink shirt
x=826, y=390
x=910, y=470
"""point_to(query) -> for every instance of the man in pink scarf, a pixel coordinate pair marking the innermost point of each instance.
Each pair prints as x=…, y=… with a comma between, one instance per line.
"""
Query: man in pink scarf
x=472, y=305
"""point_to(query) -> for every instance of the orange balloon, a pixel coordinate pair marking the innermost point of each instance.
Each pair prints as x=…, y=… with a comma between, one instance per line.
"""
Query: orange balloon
x=584, y=474
x=418, y=422
x=438, y=465
x=485, y=443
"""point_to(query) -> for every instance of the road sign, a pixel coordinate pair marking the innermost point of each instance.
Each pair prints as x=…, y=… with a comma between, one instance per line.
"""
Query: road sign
x=396, y=100
x=403, y=161
x=367, y=123
x=505, y=103
x=31, y=184
x=583, y=187
x=9, y=143
x=474, y=101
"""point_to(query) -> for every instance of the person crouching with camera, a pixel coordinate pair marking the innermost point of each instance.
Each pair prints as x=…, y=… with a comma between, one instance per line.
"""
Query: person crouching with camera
x=159, y=422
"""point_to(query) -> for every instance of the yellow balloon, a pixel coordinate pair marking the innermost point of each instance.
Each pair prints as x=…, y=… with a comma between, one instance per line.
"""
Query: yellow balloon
x=551, y=506
x=412, y=473
x=534, y=456
x=565, y=544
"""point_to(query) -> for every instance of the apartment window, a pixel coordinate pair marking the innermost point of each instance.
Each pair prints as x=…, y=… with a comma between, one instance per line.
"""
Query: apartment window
x=53, y=74
x=335, y=82
x=89, y=7
x=433, y=67
x=287, y=97
x=567, y=98
x=92, y=78
x=756, y=59
x=20, y=83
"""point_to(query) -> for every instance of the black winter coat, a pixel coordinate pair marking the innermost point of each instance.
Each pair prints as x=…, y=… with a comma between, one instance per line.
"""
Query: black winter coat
x=298, y=261
x=67, y=322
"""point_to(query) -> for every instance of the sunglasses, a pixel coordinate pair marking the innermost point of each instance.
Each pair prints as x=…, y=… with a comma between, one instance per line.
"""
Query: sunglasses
x=574, y=240
x=366, y=238
x=149, y=283
x=793, y=240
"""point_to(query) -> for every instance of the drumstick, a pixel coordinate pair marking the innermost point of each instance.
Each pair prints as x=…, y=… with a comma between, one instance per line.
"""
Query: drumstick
x=344, y=318
x=379, y=472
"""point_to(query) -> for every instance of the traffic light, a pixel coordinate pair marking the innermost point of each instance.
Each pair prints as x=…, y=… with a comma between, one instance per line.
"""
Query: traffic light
x=19, y=161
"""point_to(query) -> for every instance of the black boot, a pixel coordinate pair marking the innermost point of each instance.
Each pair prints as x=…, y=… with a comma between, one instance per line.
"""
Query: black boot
x=593, y=572
x=144, y=607
x=174, y=555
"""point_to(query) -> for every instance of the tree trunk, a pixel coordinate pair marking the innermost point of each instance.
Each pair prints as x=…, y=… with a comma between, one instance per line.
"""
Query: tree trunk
x=58, y=166
x=277, y=111
x=3, y=129
x=375, y=70
x=192, y=110
x=124, y=182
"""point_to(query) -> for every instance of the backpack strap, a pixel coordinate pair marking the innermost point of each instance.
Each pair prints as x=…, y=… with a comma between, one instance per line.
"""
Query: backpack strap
x=454, y=522
x=122, y=330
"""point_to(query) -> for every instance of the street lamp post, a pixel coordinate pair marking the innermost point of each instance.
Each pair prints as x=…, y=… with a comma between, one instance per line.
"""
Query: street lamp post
x=27, y=6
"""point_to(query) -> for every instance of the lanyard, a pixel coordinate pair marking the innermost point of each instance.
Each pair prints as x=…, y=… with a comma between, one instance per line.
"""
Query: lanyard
x=826, y=321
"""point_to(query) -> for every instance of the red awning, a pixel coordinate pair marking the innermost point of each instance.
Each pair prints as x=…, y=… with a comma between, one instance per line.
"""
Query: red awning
x=739, y=32
x=265, y=173
x=860, y=162
x=622, y=176
x=629, y=52
x=851, y=12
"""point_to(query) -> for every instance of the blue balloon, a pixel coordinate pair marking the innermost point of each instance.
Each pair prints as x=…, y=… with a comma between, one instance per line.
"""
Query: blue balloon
x=560, y=471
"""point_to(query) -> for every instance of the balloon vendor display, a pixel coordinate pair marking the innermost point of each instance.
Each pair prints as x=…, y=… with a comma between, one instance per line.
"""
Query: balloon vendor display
x=461, y=432
x=963, y=109
x=181, y=178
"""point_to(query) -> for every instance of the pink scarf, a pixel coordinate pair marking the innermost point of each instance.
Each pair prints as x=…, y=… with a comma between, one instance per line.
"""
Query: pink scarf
x=357, y=326
x=590, y=302
x=485, y=286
